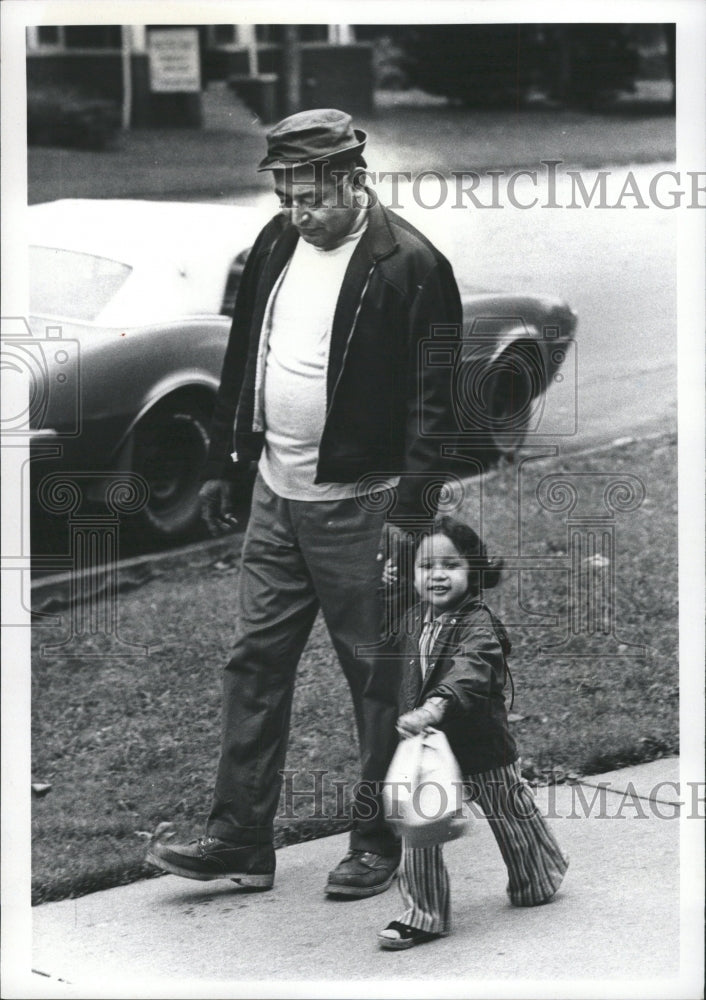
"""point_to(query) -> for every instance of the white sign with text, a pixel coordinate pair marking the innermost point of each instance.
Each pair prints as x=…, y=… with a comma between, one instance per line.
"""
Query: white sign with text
x=174, y=61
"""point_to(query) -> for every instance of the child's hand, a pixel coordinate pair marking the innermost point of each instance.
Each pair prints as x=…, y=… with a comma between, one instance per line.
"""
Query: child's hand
x=413, y=723
x=389, y=573
x=392, y=544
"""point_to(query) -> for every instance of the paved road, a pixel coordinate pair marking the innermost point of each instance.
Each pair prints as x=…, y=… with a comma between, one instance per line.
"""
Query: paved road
x=616, y=267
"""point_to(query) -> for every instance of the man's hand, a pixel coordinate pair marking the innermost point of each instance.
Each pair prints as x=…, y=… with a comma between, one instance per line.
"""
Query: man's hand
x=217, y=506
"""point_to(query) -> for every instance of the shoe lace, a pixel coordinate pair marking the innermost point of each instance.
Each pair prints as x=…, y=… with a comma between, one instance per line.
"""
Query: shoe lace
x=204, y=843
x=357, y=852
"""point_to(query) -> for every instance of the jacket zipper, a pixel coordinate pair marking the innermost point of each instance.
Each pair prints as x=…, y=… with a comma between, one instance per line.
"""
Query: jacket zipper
x=348, y=342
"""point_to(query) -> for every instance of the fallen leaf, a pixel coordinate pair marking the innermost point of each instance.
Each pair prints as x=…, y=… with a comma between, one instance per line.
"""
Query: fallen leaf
x=596, y=562
x=164, y=831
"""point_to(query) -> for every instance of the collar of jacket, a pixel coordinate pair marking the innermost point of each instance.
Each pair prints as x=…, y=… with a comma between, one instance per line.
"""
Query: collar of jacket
x=450, y=617
x=378, y=236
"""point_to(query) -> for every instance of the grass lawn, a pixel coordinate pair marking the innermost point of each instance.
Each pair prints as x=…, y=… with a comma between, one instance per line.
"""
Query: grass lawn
x=129, y=743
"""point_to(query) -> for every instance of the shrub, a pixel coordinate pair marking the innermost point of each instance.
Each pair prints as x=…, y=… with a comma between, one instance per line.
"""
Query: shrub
x=61, y=116
x=501, y=65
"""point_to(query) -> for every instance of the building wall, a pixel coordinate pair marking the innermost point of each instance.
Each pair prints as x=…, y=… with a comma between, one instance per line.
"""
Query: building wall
x=100, y=74
x=334, y=72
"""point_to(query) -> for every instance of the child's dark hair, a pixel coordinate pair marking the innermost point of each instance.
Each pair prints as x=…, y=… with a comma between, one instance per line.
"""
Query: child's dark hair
x=483, y=573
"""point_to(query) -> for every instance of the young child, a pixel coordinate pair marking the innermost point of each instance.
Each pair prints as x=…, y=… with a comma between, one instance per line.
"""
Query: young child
x=453, y=679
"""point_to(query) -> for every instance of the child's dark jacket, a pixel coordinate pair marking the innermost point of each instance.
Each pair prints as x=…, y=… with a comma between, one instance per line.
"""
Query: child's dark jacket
x=466, y=665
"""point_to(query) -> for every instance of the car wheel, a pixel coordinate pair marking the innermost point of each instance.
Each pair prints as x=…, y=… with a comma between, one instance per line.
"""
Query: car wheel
x=169, y=448
x=514, y=395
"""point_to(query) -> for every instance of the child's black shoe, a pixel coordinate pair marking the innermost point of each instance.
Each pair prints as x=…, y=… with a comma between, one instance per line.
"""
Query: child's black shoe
x=397, y=936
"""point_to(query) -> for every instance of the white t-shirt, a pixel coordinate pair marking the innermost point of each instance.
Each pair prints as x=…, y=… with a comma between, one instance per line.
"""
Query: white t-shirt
x=297, y=325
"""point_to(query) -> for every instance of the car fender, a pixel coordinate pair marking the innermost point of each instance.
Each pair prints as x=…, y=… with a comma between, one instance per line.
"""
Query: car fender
x=493, y=323
x=510, y=336
x=202, y=382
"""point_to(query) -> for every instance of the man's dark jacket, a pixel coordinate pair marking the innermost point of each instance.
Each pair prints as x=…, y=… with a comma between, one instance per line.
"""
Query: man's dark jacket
x=386, y=412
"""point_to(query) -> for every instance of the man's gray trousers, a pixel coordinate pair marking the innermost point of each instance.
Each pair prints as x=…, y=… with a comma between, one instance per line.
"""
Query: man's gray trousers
x=299, y=556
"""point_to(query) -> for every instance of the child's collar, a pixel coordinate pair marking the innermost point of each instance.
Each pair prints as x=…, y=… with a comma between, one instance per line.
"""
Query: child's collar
x=446, y=616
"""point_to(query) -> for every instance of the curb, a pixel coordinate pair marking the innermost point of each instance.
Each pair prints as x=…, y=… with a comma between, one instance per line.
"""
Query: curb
x=232, y=543
x=53, y=587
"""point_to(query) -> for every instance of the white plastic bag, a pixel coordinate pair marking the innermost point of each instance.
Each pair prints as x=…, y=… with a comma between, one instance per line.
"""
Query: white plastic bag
x=423, y=791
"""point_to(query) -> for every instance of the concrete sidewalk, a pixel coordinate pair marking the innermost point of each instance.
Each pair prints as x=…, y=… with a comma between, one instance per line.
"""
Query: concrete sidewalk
x=615, y=919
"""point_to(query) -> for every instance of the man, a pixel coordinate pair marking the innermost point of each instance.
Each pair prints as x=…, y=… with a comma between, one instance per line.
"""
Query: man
x=322, y=383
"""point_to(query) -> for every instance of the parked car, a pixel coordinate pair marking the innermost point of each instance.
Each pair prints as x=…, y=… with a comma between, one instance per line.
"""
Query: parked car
x=131, y=304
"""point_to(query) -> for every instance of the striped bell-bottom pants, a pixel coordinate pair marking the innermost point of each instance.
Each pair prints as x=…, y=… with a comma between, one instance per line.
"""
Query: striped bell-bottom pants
x=535, y=863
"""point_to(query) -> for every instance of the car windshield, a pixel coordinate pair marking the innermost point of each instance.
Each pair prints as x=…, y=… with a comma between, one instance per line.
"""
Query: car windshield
x=72, y=284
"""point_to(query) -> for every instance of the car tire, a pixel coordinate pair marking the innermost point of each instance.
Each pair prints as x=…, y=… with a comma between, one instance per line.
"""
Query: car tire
x=169, y=447
x=514, y=394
